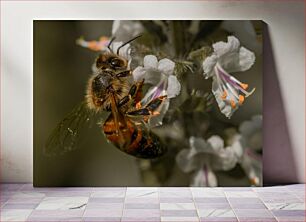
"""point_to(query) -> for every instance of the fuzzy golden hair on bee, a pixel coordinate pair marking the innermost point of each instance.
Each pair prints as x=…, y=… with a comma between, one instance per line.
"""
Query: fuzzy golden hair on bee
x=97, y=96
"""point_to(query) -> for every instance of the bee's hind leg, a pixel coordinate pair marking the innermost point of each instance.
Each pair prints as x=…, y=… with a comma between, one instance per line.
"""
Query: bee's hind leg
x=134, y=93
x=150, y=109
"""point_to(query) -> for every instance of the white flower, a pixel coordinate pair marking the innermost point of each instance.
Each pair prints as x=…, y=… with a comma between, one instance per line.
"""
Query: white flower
x=204, y=177
x=124, y=51
x=246, y=144
x=124, y=30
x=251, y=132
x=159, y=74
x=206, y=156
x=102, y=44
x=228, y=57
x=94, y=45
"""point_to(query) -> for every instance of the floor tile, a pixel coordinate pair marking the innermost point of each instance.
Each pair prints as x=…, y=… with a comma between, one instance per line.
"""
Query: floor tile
x=179, y=213
x=101, y=219
x=141, y=213
x=207, y=192
x=168, y=193
x=259, y=213
x=213, y=205
x=20, y=206
x=177, y=206
x=240, y=194
x=218, y=219
x=62, y=203
x=106, y=200
x=246, y=200
x=216, y=213
x=285, y=206
x=140, y=219
x=179, y=219
x=57, y=213
x=142, y=200
x=289, y=213
x=210, y=200
x=236, y=205
x=141, y=206
x=104, y=206
x=14, y=214
x=103, y=213
x=176, y=200
x=253, y=219
x=109, y=193
x=142, y=192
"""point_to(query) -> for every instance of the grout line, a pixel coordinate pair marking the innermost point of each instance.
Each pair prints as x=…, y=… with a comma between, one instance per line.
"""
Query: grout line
x=293, y=193
x=195, y=206
x=87, y=203
x=158, y=197
x=231, y=205
x=123, y=206
x=265, y=205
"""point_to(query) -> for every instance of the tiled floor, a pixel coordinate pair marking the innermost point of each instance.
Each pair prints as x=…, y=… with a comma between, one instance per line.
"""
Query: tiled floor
x=22, y=202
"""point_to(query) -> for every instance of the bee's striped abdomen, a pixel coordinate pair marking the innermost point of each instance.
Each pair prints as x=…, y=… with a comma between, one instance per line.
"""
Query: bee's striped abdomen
x=136, y=141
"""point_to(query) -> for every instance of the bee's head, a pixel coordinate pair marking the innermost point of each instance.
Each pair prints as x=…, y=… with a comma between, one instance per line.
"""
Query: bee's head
x=111, y=62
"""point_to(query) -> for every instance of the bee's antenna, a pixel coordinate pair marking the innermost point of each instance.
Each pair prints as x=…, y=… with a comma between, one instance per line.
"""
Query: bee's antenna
x=110, y=43
x=127, y=43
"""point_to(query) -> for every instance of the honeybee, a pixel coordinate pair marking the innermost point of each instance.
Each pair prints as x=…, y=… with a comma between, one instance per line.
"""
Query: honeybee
x=110, y=89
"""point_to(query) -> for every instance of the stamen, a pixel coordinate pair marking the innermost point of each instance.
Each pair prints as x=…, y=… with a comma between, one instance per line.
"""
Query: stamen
x=244, y=86
x=93, y=45
x=138, y=105
x=233, y=81
x=233, y=104
x=224, y=95
x=241, y=99
x=155, y=113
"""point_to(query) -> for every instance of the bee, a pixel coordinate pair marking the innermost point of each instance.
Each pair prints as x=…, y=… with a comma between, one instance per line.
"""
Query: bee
x=110, y=89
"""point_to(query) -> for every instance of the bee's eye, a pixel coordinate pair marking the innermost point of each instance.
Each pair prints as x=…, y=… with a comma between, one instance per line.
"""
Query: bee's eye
x=116, y=63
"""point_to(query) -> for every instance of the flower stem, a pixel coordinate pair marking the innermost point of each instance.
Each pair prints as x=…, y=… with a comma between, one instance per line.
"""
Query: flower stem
x=177, y=37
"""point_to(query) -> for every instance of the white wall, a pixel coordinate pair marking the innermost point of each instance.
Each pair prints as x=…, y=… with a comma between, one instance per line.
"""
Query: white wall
x=286, y=26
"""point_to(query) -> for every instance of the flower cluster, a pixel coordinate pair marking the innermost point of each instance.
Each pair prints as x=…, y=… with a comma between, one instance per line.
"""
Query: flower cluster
x=172, y=67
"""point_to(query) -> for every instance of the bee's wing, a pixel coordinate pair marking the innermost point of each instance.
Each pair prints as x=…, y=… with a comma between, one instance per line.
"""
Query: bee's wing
x=66, y=134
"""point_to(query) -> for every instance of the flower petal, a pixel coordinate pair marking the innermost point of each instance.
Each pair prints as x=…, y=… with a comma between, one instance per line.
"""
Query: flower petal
x=158, y=119
x=226, y=159
x=150, y=62
x=139, y=73
x=174, y=87
x=252, y=165
x=237, y=147
x=185, y=162
x=166, y=66
x=124, y=30
x=199, y=145
x=209, y=64
x=238, y=60
x=216, y=143
x=223, y=48
x=225, y=105
x=125, y=51
x=204, y=177
x=251, y=132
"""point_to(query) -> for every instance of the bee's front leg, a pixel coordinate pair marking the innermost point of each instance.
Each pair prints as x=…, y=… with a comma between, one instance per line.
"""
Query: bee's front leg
x=124, y=73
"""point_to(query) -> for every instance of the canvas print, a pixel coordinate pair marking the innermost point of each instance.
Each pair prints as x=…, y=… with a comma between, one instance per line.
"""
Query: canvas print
x=148, y=103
